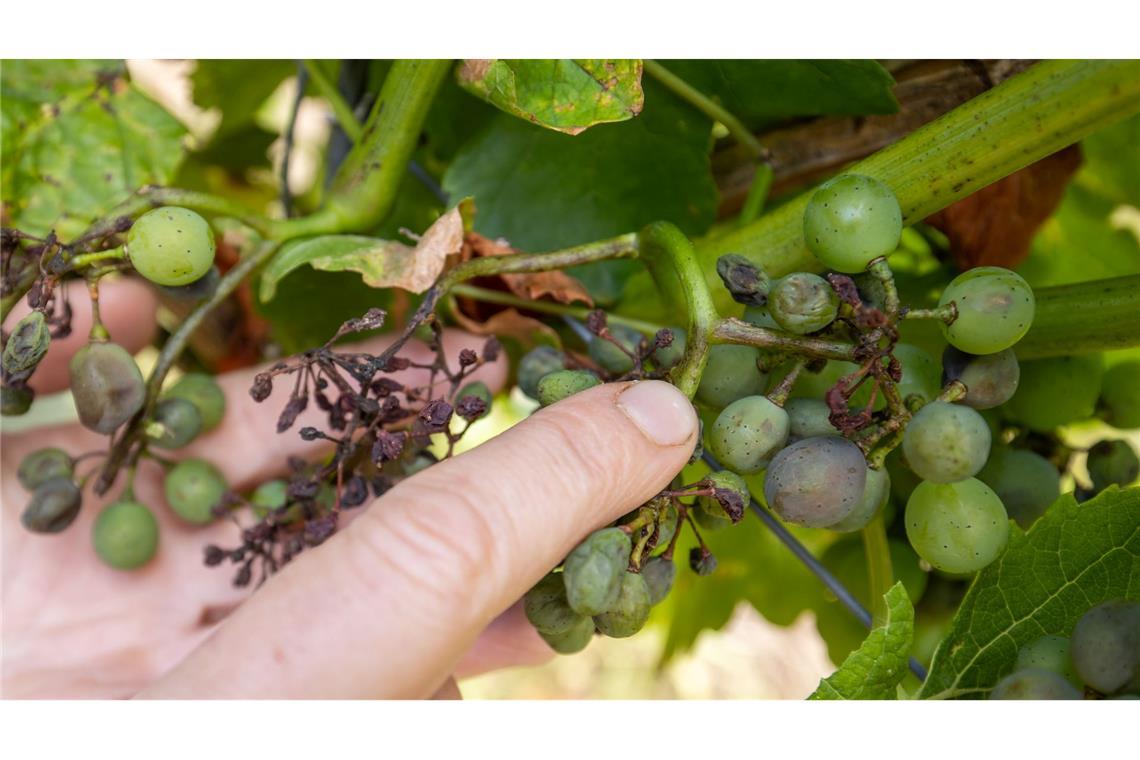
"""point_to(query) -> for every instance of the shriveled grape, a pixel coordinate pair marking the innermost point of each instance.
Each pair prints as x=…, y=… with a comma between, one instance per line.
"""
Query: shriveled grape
x=725, y=480
x=593, y=571
x=629, y=611
x=27, y=344
x=572, y=640
x=659, y=574
x=546, y=606
x=106, y=385
x=803, y=303
x=42, y=465
x=54, y=506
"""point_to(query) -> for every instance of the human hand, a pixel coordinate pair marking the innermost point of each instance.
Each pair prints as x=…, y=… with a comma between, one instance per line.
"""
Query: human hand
x=421, y=586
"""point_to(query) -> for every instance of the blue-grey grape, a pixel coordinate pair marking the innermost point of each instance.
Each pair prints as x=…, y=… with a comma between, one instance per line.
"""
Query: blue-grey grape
x=816, y=482
x=1106, y=646
x=990, y=379
x=1027, y=483
x=1034, y=683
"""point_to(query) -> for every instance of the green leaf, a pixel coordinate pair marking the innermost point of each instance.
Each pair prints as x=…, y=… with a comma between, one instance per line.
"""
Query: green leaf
x=238, y=88
x=544, y=190
x=875, y=669
x=560, y=94
x=1073, y=558
x=77, y=139
x=760, y=93
x=381, y=263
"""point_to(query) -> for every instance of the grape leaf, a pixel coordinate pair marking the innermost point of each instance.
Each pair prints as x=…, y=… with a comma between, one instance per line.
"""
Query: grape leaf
x=542, y=190
x=382, y=263
x=1074, y=557
x=876, y=668
x=560, y=94
x=763, y=92
x=77, y=139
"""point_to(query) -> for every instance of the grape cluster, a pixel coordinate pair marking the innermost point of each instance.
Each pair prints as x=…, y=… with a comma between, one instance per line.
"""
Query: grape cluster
x=1099, y=658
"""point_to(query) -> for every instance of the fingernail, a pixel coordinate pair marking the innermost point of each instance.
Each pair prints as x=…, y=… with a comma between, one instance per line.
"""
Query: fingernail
x=660, y=411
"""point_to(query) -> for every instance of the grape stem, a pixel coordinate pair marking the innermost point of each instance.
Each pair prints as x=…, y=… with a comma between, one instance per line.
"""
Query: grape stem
x=732, y=330
x=84, y=260
x=947, y=313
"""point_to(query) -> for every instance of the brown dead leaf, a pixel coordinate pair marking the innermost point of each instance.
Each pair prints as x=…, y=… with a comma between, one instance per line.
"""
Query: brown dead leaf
x=556, y=284
x=996, y=225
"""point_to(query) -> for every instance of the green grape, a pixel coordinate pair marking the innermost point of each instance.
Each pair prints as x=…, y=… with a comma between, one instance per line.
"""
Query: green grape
x=1052, y=653
x=956, y=527
x=1055, y=392
x=611, y=358
x=808, y=418
x=201, y=289
x=574, y=640
x=732, y=372
x=1034, y=683
x=1027, y=483
x=15, y=401
x=816, y=482
x=106, y=385
x=995, y=309
x=269, y=496
x=27, y=344
x=479, y=390
x=876, y=491
x=1112, y=463
x=546, y=607
x=668, y=357
x=944, y=443
x=593, y=571
x=171, y=246
x=42, y=465
x=53, y=506
x=537, y=364
x=1120, y=395
x=921, y=375
x=747, y=433
x=726, y=480
x=761, y=317
x=659, y=574
x=564, y=383
x=803, y=303
x=1106, y=646
x=204, y=392
x=180, y=420
x=125, y=535
x=708, y=521
x=192, y=489
x=990, y=379
x=629, y=612
x=850, y=221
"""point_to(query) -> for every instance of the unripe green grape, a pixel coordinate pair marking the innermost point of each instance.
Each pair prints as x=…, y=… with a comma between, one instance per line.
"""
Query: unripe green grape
x=180, y=420
x=107, y=386
x=1057, y=391
x=1027, y=483
x=1034, y=683
x=990, y=379
x=53, y=506
x=27, y=344
x=944, y=443
x=611, y=358
x=803, y=303
x=1106, y=646
x=659, y=574
x=479, y=390
x=593, y=571
x=125, y=535
x=1112, y=463
x=921, y=375
x=761, y=317
x=668, y=357
x=726, y=480
x=732, y=372
x=1052, y=653
x=850, y=221
x=1120, y=394
x=546, y=607
x=956, y=527
x=995, y=309
x=15, y=401
x=537, y=364
x=747, y=433
x=876, y=491
x=574, y=640
x=816, y=482
x=708, y=521
x=42, y=465
x=203, y=391
x=808, y=418
x=269, y=496
x=192, y=489
x=629, y=612
x=564, y=383
x=171, y=246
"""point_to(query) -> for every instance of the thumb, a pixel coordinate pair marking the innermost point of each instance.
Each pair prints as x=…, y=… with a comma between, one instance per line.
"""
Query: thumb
x=388, y=606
